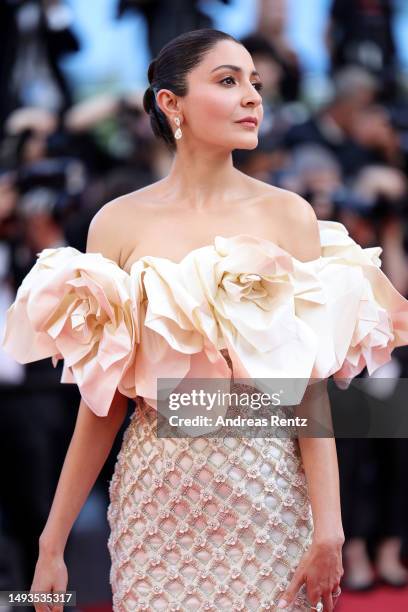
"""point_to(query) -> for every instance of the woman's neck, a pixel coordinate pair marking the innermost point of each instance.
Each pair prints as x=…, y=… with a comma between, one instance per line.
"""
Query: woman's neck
x=200, y=180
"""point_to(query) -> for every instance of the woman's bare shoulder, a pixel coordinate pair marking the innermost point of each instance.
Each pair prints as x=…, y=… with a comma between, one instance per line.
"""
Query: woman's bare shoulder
x=272, y=195
x=108, y=227
x=296, y=217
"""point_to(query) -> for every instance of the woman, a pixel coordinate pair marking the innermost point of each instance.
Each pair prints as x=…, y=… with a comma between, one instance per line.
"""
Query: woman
x=203, y=523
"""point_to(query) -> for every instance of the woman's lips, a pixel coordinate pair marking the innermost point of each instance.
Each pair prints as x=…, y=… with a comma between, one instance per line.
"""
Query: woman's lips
x=249, y=124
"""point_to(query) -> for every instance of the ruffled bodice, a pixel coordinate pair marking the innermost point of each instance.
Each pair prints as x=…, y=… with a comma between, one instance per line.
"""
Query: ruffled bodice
x=242, y=298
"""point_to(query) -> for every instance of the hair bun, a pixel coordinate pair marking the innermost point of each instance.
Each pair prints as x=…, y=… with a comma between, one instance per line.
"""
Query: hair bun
x=148, y=99
x=151, y=70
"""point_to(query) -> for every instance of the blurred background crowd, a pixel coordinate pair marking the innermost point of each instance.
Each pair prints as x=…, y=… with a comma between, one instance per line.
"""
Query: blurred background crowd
x=73, y=136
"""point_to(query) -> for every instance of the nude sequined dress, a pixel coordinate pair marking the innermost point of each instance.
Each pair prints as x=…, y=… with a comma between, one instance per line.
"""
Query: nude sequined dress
x=206, y=523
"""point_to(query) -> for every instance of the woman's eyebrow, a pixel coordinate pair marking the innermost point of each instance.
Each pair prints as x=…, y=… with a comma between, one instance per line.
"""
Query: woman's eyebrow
x=234, y=68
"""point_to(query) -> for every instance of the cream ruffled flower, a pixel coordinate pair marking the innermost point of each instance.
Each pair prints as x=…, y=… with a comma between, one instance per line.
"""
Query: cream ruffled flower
x=277, y=317
x=381, y=321
x=77, y=307
x=253, y=296
x=179, y=334
x=237, y=294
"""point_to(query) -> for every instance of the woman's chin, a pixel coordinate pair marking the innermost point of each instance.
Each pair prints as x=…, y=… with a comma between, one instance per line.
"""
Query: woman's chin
x=246, y=143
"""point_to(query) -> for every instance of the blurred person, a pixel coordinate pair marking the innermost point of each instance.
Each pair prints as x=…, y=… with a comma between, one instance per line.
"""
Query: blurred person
x=32, y=134
x=45, y=156
x=374, y=500
x=36, y=444
x=397, y=115
x=34, y=35
x=165, y=20
x=144, y=281
x=310, y=170
x=47, y=193
x=33, y=118
x=361, y=32
x=127, y=160
x=314, y=172
x=8, y=199
x=41, y=224
x=372, y=129
x=374, y=495
x=52, y=195
x=383, y=194
x=10, y=371
x=27, y=136
x=272, y=21
x=264, y=163
x=394, y=238
x=130, y=145
x=30, y=147
x=138, y=148
x=334, y=125
x=372, y=472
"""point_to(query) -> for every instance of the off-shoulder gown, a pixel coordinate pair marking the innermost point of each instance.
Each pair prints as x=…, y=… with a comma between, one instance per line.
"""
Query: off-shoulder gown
x=206, y=523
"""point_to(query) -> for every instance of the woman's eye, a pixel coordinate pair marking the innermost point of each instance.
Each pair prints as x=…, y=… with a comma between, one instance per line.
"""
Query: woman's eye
x=228, y=79
x=258, y=85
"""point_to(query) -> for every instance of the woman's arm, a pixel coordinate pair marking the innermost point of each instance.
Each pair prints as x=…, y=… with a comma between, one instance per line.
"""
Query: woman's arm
x=90, y=445
x=319, y=454
x=93, y=435
x=89, y=448
x=321, y=566
x=319, y=458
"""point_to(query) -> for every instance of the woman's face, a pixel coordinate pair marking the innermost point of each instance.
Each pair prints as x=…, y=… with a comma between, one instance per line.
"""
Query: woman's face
x=223, y=89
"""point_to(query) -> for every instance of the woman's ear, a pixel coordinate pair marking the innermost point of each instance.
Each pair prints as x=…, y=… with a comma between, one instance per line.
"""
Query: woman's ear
x=168, y=103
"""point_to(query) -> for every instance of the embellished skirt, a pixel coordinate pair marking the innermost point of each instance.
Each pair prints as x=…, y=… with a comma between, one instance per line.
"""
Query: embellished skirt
x=205, y=523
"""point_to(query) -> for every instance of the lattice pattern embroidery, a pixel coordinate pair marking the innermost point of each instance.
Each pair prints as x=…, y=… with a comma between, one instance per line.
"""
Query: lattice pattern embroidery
x=205, y=523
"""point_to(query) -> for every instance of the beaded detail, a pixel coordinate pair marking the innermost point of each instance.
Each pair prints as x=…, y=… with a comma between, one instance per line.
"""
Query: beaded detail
x=205, y=523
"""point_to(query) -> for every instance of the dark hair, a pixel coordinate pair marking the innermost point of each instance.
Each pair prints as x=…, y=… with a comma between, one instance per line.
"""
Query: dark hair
x=170, y=69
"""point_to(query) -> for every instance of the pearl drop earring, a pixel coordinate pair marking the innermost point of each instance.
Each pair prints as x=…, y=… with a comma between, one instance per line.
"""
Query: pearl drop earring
x=178, y=133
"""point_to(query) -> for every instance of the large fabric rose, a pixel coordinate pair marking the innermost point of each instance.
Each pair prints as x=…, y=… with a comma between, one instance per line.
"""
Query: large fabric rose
x=179, y=335
x=252, y=289
x=381, y=321
x=77, y=307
